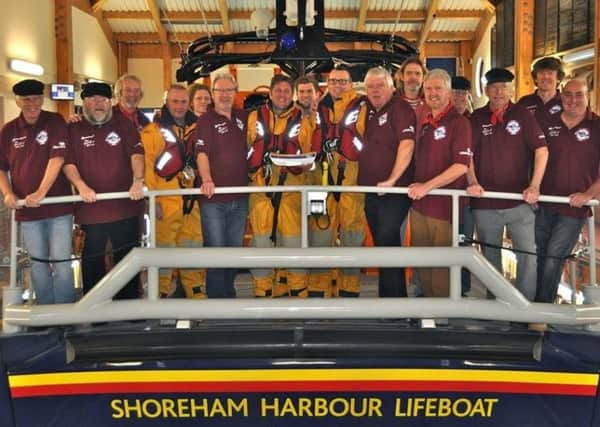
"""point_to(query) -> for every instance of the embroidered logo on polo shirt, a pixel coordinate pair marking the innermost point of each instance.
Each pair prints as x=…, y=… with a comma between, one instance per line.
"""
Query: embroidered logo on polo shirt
x=582, y=134
x=439, y=133
x=113, y=138
x=410, y=129
x=42, y=137
x=554, y=131
x=555, y=109
x=88, y=140
x=19, y=142
x=222, y=128
x=513, y=127
x=200, y=143
x=466, y=152
x=239, y=123
x=486, y=130
x=383, y=119
x=59, y=145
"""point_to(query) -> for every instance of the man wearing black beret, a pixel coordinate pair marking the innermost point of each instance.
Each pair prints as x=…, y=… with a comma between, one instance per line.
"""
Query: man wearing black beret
x=461, y=94
x=32, y=150
x=106, y=155
x=509, y=155
x=545, y=103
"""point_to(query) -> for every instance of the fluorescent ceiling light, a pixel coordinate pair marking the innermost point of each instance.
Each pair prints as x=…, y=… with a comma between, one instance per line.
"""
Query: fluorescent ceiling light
x=579, y=55
x=24, y=67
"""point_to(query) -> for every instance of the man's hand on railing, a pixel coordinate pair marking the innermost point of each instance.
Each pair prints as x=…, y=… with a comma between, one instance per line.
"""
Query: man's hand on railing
x=418, y=190
x=136, y=191
x=531, y=194
x=475, y=190
x=208, y=188
x=388, y=183
x=87, y=194
x=579, y=200
x=33, y=200
x=10, y=201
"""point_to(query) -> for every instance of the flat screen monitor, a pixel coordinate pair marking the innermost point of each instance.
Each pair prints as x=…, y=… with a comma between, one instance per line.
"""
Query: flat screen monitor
x=62, y=92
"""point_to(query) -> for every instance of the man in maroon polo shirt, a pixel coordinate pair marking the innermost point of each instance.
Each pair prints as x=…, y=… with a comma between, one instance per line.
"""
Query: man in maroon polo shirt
x=510, y=155
x=129, y=94
x=220, y=148
x=442, y=157
x=545, y=103
x=386, y=162
x=409, y=81
x=106, y=155
x=32, y=151
x=574, y=147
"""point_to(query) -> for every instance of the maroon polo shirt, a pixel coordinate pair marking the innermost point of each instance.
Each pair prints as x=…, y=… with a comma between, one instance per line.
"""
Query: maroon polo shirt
x=573, y=161
x=102, y=155
x=25, y=151
x=439, y=147
x=543, y=112
x=504, y=153
x=224, y=142
x=384, y=130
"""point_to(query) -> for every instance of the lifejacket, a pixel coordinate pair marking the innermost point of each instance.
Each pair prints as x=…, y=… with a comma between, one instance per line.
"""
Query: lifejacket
x=350, y=143
x=288, y=142
x=177, y=153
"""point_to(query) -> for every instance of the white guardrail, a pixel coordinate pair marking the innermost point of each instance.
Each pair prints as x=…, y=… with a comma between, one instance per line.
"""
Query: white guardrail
x=97, y=305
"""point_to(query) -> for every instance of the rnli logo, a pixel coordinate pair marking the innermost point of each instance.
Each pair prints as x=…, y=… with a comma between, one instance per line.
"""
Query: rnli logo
x=439, y=133
x=240, y=124
x=113, y=139
x=42, y=137
x=582, y=134
x=383, y=119
x=513, y=127
x=555, y=109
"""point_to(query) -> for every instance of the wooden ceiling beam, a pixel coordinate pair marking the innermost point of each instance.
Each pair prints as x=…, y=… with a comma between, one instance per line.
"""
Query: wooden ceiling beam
x=362, y=15
x=371, y=15
x=483, y=28
x=224, y=12
x=431, y=14
x=164, y=42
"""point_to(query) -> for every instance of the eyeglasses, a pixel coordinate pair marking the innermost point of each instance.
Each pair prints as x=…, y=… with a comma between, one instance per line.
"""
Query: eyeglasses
x=225, y=90
x=338, y=81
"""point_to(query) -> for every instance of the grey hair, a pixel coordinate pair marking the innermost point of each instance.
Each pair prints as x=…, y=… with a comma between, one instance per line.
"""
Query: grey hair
x=119, y=83
x=438, y=73
x=224, y=76
x=380, y=72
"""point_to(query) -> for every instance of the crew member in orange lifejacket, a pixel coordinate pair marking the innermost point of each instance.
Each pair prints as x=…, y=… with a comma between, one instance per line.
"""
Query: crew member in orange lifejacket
x=338, y=139
x=177, y=218
x=277, y=127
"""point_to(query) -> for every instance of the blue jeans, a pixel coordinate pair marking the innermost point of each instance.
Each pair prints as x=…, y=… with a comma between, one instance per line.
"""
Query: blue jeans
x=520, y=222
x=223, y=225
x=50, y=238
x=555, y=236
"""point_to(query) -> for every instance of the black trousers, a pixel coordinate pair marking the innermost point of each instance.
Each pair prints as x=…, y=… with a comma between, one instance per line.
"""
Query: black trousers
x=123, y=235
x=385, y=215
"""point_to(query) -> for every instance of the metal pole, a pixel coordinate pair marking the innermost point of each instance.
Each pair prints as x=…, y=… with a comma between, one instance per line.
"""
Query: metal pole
x=592, y=240
x=455, y=278
x=13, y=250
x=153, y=290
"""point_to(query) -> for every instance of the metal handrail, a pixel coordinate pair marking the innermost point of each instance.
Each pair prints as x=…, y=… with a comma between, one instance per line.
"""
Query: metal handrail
x=97, y=304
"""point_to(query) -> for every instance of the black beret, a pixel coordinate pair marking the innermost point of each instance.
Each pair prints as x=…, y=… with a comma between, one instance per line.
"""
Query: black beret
x=499, y=75
x=548, y=63
x=461, y=83
x=28, y=87
x=96, y=88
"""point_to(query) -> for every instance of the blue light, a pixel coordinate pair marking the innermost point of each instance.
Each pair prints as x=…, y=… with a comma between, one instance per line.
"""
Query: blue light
x=288, y=41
